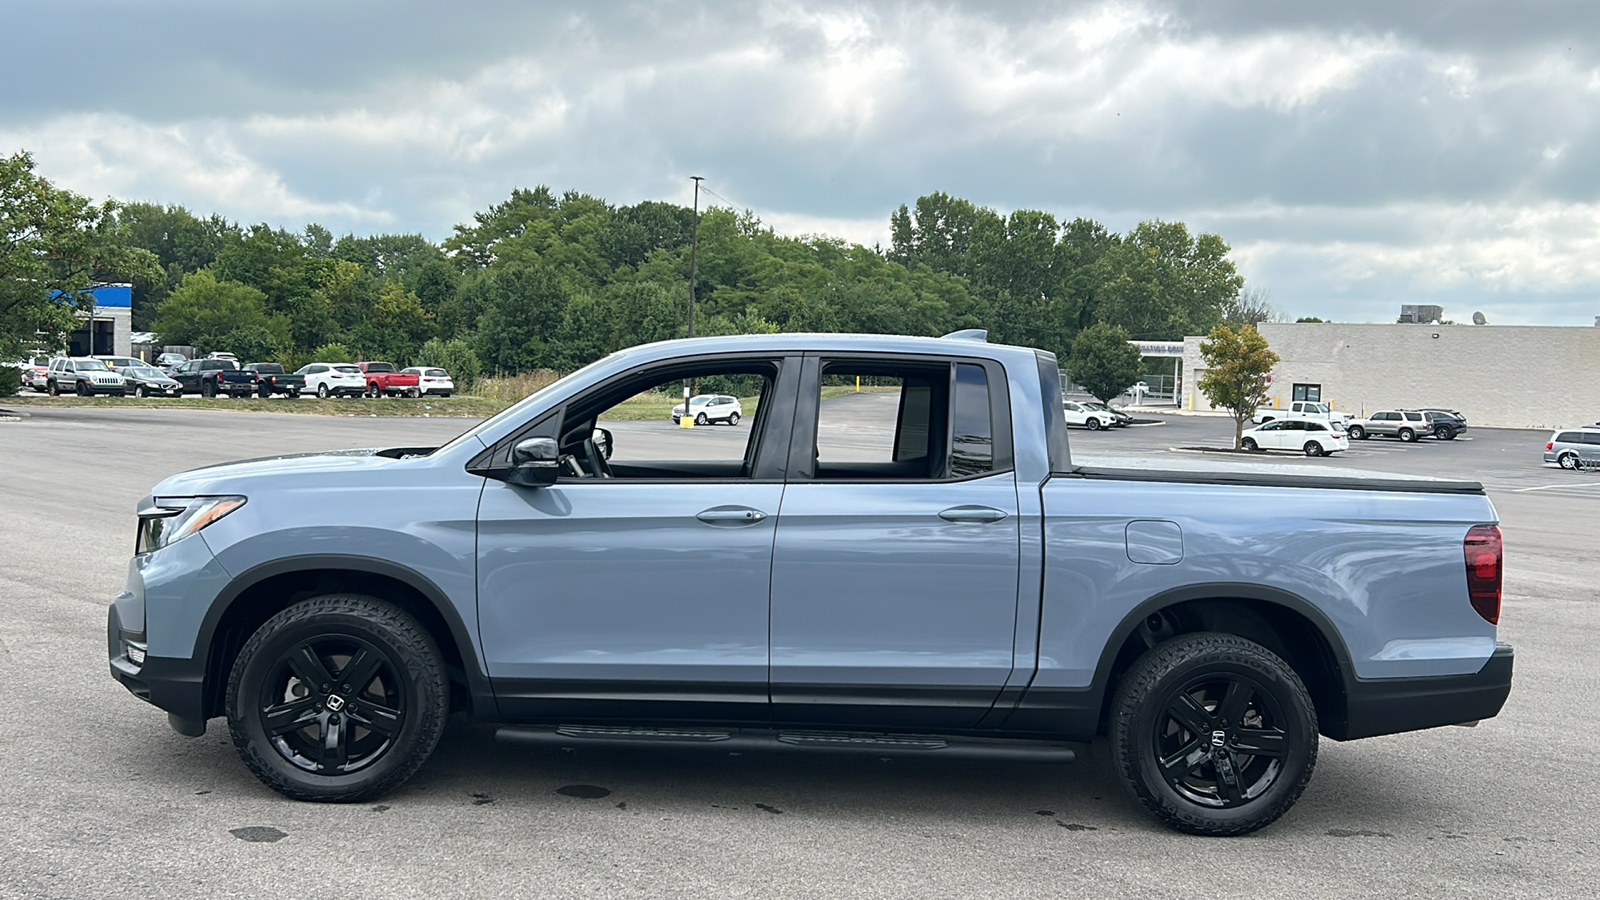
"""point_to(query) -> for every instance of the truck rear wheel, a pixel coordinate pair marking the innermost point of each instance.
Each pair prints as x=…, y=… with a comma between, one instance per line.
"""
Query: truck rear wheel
x=1214, y=734
x=338, y=698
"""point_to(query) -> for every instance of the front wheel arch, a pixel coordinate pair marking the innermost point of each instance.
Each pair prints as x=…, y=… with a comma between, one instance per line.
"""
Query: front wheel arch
x=262, y=592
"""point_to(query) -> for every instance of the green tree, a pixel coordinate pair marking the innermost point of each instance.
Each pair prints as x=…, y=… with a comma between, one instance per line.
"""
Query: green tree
x=1103, y=361
x=1238, y=368
x=1310, y=319
x=456, y=357
x=332, y=353
x=53, y=245
x=399, y=324
x=1162, y=283
x=527, y=305
x=217, y=315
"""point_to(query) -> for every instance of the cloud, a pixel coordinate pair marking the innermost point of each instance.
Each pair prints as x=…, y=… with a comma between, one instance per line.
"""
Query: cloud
x=1353, y=154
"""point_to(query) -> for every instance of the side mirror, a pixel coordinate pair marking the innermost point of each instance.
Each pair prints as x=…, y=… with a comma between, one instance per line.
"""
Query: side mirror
x=536, y=462
x=602, y=442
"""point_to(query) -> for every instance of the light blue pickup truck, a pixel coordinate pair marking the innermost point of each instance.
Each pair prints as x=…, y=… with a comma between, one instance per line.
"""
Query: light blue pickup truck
x=893, y=554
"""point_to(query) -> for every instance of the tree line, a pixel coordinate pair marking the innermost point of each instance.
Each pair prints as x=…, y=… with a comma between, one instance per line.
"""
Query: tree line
x=543, y=280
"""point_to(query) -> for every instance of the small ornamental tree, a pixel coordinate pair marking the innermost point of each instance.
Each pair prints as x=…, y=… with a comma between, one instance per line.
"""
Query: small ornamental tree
x=1103, y=361
x=1238, y=366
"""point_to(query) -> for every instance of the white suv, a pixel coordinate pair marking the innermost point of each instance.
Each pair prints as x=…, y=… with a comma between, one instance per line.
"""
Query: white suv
x=432, y=380
x=333, y=379
x=1089, y=417
x=708, y=408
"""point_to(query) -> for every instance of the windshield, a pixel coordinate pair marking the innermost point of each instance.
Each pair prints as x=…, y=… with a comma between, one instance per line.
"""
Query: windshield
x=144, y=372
x=90, y=365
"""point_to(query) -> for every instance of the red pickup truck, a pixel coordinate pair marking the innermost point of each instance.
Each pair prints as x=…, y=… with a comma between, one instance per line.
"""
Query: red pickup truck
x=383, y=378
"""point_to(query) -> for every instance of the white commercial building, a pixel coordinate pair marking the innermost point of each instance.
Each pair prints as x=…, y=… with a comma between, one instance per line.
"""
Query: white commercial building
x=1509, y=376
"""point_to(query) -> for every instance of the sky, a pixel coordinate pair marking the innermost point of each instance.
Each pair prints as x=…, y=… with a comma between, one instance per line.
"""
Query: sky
x=1355, y=155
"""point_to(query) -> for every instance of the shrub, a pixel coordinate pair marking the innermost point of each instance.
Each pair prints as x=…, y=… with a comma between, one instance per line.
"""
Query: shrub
x=10, y=380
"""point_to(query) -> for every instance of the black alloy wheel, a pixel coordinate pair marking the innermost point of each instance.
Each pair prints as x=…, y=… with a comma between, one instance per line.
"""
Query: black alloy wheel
x=1249, y=445
x=338, y=698
x=1357, y=433
x=1312, y=448
x=1093, y=424
x=1214, y=734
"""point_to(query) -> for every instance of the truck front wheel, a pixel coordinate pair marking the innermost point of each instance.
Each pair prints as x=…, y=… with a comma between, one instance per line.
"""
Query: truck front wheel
x=1214, y=734
x=338, y=698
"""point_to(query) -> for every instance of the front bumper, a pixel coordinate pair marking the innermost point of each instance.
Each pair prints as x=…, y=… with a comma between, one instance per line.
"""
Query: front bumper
x=1392, y=705
x=175, y=685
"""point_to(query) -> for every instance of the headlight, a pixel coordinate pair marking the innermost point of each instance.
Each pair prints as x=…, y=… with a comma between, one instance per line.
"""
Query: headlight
x=174, y=518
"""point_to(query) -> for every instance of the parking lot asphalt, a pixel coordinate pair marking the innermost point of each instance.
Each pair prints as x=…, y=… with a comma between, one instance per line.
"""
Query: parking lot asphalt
x=102, y=799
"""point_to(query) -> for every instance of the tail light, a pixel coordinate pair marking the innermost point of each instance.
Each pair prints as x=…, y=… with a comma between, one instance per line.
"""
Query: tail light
x=1483, y=554
x=1551, y=445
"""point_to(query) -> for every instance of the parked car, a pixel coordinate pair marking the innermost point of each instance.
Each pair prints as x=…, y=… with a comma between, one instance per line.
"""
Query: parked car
x=1405, y=424
x=333, y=379
x=214, y=376
x=433, y=380
x=384, y=380
x=83, y=376
x=271, y=379
x=1574, y=448
x=1122, y=419
x=1445, y=425
x=1302, y=409
x=709, y=408
x=166, y=361
x=1089, y=417
x=972, y=592
x=35, y=370
x=1308, y=436
x=222, y=354
x=148, y=381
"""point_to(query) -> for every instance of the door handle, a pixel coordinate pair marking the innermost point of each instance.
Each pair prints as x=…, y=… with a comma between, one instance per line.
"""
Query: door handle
x=731, y=515
x=972, y=514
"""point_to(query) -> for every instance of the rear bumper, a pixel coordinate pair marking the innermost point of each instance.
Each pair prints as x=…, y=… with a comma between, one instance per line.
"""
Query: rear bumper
x=1392, y=705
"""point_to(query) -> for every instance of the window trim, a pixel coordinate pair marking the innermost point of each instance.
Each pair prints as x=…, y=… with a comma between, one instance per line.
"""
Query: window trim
x=807, y=413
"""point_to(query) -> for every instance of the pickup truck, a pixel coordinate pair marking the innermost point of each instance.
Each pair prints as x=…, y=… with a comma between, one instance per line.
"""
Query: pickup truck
x=1302, y=409
x=212, y=376
x=384, y=379
x=272, y=379
x=922, y=570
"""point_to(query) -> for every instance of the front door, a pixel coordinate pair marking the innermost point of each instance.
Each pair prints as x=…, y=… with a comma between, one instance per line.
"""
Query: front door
x=894, y=578
x=636, y=588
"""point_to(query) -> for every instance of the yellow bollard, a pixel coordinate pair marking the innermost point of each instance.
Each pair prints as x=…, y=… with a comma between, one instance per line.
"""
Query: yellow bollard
x=858, y=384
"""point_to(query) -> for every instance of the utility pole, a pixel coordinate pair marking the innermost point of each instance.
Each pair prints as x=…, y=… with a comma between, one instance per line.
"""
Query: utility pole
x=687, y=419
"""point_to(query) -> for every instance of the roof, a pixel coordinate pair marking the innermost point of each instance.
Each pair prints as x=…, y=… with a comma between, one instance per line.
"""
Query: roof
x=827, y=342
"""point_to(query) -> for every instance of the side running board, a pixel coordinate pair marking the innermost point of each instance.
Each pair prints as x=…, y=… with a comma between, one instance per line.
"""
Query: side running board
x=758, y=740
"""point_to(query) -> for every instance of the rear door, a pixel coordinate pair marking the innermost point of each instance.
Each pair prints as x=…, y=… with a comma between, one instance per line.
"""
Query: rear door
x=894, y=575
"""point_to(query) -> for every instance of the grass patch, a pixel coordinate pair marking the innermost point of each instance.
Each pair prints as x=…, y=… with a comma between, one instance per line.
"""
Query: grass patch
x=473, y=407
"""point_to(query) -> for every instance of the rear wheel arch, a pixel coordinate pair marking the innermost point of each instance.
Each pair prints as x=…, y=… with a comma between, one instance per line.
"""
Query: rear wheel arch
x=1284, y=623
x=259, y=593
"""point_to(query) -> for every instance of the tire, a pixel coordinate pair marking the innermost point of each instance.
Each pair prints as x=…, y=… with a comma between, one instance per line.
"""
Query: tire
x=444, y=394
x=294, y=393
x=322, y=391
x=1444, y=433
x=1249, y=445
x=403, y=687
x=701, y=419
x=82, y=389
x=1174, y=705
x=140, y=392
x=208, y=389
x=733, y=419
x=372, y=391
x=1093, y=424
x=1407, y=435
x=1567, y=460
x=1357, y=433
x=264, y=393
x=415, y=393
x=52, y=388
x=1312, y=448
